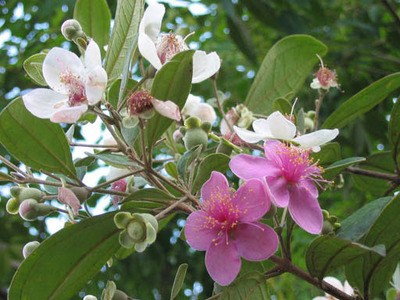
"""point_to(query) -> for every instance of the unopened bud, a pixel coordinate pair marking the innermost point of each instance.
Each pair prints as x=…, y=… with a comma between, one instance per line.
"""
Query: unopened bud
x=12, y=206
x=195, y=137
x=327, y=227
x=30, y=210
x=90, y=297
x=72, y=29
x=120, y=295
x=81, y=193
x=23, y=193
x=29, y=248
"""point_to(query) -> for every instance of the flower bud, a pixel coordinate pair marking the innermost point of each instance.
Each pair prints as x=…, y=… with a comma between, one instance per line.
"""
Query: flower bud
x=90, y=297
x=29, y=248
x=30, y=210
x=71, y=29
x=327, y=227
x=195, y=133
x=81, y=193
x=23, y=193
x=12, y=206
x=330, y=223
x=120, y=295
x=109, y=291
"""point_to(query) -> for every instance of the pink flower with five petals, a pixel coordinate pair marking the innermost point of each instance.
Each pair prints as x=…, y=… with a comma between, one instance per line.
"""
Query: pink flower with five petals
x=226, y=227
x=290, y=177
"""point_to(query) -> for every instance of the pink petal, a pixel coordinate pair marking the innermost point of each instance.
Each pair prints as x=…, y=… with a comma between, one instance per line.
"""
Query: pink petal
x=223, y=261
x=271, y=149
x=167, y=109
x=279, y=190
x=67, y=197
x=255, y=241
x=199, y=232
x=310, y=186
x=215, y=189
x=69, y=114
x=251, y=200
x=305, y=210
x=247, y=166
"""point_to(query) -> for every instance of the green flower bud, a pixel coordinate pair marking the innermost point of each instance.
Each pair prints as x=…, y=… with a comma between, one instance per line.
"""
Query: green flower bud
x=81, y=193
x=194, y=137
x=30, y=210
x=192, y=122
x=327, y=228
x=12, y=206
x=29, y=248
x=136, y=231
x=72, y=31
x=308, y=124
x=109, y=291
x=23, y=193
x=120, y=295
x=330, y=223
x=224, y=148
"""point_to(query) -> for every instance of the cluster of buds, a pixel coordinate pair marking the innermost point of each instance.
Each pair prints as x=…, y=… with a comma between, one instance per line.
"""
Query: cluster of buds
x=330, y=223
x=240, y=116
x=195, y=133
x=138, y=230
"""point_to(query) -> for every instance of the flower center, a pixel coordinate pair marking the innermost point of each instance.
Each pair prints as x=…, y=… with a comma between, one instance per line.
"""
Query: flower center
x=326, y=77
x=169, y=44
x=140, y=102
x=76, y=88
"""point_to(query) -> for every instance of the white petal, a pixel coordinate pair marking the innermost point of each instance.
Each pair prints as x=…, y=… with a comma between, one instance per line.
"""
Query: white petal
x=348, y=289
x=335, y=282
x=315, y=84
x=43, y=103
x=261, y=126
x=205, y=112
x=248, y=136
x=191, y=103
x=69, y=114
x=280, y=127
x=58, y=61
x=92, y=56
x=205, y=65
x=317, y=138
x=167, y=109
x=96, y=82
x=149, y=30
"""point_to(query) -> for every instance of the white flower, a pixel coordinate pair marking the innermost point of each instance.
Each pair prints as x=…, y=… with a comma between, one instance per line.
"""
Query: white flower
x=74, y=85
x=160, y=48
x=277, y=127
x=346, y=288
x=195, y=108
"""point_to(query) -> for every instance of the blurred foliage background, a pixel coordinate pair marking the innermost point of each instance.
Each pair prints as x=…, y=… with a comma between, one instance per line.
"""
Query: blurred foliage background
x=363, y=37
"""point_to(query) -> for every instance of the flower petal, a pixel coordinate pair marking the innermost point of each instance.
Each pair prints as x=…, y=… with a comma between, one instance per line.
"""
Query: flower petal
x=167, y=109
x=96, y=82
x=199, y=232
x=247, y=166
x=149, y=30
x=335, y=282
x=68, y=197
x=255, y=241
x=316, y=139
x=69, y=114
x=194, y=108
x=215, y=189
x=222, y=261
x=280, y=127
x=348, y=289
x=204, y=65
x=315, y=84
x=43, y=103
x=305, y=210
x=57, y=62
x=279, y=191
x=249, y=136
x=251, y=200
x=92, y=56
x=261, y=126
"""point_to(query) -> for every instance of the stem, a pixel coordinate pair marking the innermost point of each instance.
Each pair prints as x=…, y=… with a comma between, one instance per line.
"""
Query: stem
x=121, y=143
x=115, y=179
x=214, y=82
x=374, y=174
x=94, y=145
x=12, y=166
x=318, y=104
x=171, y=208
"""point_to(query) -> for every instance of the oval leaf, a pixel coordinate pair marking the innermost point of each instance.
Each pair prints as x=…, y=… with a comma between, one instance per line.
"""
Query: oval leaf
x=36, y=142
x=33, y=67
x=178, y=281
x=115, y=160
x=340, y=165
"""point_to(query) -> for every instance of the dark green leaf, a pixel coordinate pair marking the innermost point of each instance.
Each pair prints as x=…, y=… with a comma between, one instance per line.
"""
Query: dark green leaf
x=335, y=168
x=33, y=66
x=363, y=101
x=283, y=105
x=126, y=27
x=113, y=92
x=178, y=281
x=356, y=225
x=394, y=127
x=214, y=162
x=284, y=70
x=329, y=154
x=172, y=82
x=327, y=253
x=94, y=17
x=115, y=160
x=36, y=142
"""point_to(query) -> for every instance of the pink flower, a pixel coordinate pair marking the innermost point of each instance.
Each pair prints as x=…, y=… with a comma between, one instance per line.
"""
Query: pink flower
x=226, y=227
x=290, y=177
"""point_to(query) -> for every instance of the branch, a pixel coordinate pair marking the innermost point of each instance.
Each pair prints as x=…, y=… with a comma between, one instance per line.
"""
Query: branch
x=391, y=11
x=374, y=174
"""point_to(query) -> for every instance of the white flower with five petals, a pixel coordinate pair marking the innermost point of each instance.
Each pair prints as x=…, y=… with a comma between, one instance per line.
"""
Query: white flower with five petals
x=277, y=127
x=74, y=85
x=160, y=48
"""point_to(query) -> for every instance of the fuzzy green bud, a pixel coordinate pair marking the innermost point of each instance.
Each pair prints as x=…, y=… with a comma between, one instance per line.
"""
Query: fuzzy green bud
x=192, y=122
x=120, y=295
x=30, y=210
x=12, y=206
x=72, y=31
x=327, y=227
x=194, y=137
x=81, y=193
x=29, y=248
x=23, y=193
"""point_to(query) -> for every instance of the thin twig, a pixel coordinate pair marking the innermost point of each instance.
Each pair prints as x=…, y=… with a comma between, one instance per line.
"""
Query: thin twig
x=214, y=82
x=114, y=179
x=374, y=174
x=94, y=146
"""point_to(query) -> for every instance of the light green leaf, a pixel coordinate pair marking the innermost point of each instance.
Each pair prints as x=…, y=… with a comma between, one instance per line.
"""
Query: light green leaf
x=363, y=101
x=178, y=281
x=171, y=169
x=36, y=142
x=284, y=69
x=335, y=168
x=127, y=20
x=33, y=67
x=94, y=17
x=115, y=160
x=172, y=82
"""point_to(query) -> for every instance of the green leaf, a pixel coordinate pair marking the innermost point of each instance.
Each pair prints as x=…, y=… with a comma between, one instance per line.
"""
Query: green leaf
x=329, y=154
x=394, y=127
x=94, y=17
x=115, y=160
x=35, y=142
x=214, y=162
x=178, y=281
x=67, y=260
x=283, y=105
x=33, y=67
x=172, y=82
x=171, y=169
x=150, y=194
x=187, y=159
x=249, y=284
x=363, y=101
x=340, y=165
x=126, y=27
x=113, y=92
x=355, y=226
x=6, y=177
x=327, y=253
x=284, y=69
